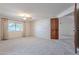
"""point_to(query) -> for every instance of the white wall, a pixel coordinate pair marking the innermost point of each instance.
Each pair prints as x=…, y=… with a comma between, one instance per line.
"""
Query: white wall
x=42, y=28
x=28, y=28
x=66, y=27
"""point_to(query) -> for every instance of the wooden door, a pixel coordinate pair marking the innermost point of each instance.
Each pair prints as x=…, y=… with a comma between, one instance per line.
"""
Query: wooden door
x=54, y=28
x=76, y=32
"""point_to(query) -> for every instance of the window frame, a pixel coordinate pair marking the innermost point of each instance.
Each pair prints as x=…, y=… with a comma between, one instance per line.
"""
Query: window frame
x=15, y=25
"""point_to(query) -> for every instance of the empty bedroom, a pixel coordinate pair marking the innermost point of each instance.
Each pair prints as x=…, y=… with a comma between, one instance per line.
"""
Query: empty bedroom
x=38, y=28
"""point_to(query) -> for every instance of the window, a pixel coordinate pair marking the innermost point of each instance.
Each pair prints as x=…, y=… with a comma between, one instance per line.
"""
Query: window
x=11, y=27
x=19, y=27
x=15, y=27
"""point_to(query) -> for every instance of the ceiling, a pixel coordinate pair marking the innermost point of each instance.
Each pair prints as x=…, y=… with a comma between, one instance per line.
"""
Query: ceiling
x=36, y=10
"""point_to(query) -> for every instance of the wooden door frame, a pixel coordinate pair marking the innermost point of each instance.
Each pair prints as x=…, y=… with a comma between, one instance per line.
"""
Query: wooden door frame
x=75, y=18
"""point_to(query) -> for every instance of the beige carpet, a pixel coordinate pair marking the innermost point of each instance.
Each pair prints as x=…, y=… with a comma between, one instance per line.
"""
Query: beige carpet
x=33, y=46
